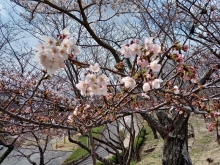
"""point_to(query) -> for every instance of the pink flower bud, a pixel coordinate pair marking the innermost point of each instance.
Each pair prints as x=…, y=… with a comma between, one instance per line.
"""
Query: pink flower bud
x=215, y=114
x=210, y=127
x=137, y=41
x=139, y=63
x=185, y=48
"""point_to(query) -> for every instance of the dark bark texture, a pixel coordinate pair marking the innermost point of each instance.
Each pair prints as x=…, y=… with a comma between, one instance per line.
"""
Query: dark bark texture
x=174, y=132
x=175, y=150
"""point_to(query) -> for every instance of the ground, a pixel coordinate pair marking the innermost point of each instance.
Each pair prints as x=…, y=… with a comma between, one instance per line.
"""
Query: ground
x=202, y=147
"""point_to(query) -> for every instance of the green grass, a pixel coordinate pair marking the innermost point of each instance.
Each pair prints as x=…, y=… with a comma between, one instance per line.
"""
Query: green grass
x=150, y=135
x=80, y=152
x=138, y=141
x=132, y=162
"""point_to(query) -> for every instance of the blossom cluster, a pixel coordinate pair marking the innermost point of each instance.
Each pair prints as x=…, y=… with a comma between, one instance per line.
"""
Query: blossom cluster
x=146, y=54
x=52, y=53
x=146, y=58
x=94, y=84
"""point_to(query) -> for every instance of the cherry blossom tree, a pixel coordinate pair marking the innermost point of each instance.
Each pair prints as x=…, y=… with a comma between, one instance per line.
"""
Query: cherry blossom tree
x=173, y=68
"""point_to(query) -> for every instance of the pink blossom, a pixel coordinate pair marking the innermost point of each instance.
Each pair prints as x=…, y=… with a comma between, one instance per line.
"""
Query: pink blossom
x=194, y=80
x=185, y=48
x=210, y=127
x=215, y=114
x=109, y=96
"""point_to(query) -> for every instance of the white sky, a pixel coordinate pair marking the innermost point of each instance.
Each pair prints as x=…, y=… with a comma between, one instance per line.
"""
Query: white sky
x=2, y=11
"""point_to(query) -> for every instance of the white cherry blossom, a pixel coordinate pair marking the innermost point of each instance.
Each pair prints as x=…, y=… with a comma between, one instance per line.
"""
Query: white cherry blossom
x=52, y=54
x=156, y=83
x=94, y=89
x=156, y=49
x=102, y=79
x=65, y=33
x=135, y=49
x=68, y=44
x=146, y=87
x=129, y=82
x=176, y=89
x=48, y=41
x=103, y=91
x=148, y=42
x=126, y=51
x=155, y=66
x=90, y=79
x=94, y=68
x=76, y=49
x=81, y=85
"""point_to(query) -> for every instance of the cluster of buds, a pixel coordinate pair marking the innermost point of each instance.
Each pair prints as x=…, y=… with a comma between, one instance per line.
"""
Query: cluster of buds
x=178, y=47
x=189, y=72
x=119, y=65
x=177, y=57
x=80, y=110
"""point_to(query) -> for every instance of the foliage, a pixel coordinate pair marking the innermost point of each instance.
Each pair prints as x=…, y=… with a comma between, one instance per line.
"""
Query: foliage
x=138, y=141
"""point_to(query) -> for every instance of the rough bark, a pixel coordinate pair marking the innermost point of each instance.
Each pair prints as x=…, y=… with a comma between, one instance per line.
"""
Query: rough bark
x=174, y=132
x=175, y=143
x=154, y=131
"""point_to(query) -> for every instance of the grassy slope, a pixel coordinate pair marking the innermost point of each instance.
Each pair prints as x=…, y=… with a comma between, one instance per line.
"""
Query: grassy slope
x=79, y=152
x=201, y=148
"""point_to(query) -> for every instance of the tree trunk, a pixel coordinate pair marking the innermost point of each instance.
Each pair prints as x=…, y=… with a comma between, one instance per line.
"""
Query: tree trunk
x=42, y=159
x=174, y=132
x=154, y=131
x=6, y=153
x=175, y=151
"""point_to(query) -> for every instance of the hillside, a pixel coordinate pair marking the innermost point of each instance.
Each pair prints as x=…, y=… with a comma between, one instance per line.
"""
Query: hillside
x=202, y=147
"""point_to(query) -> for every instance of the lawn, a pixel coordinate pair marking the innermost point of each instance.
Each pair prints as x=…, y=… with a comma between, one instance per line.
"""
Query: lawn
x=79, y=152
